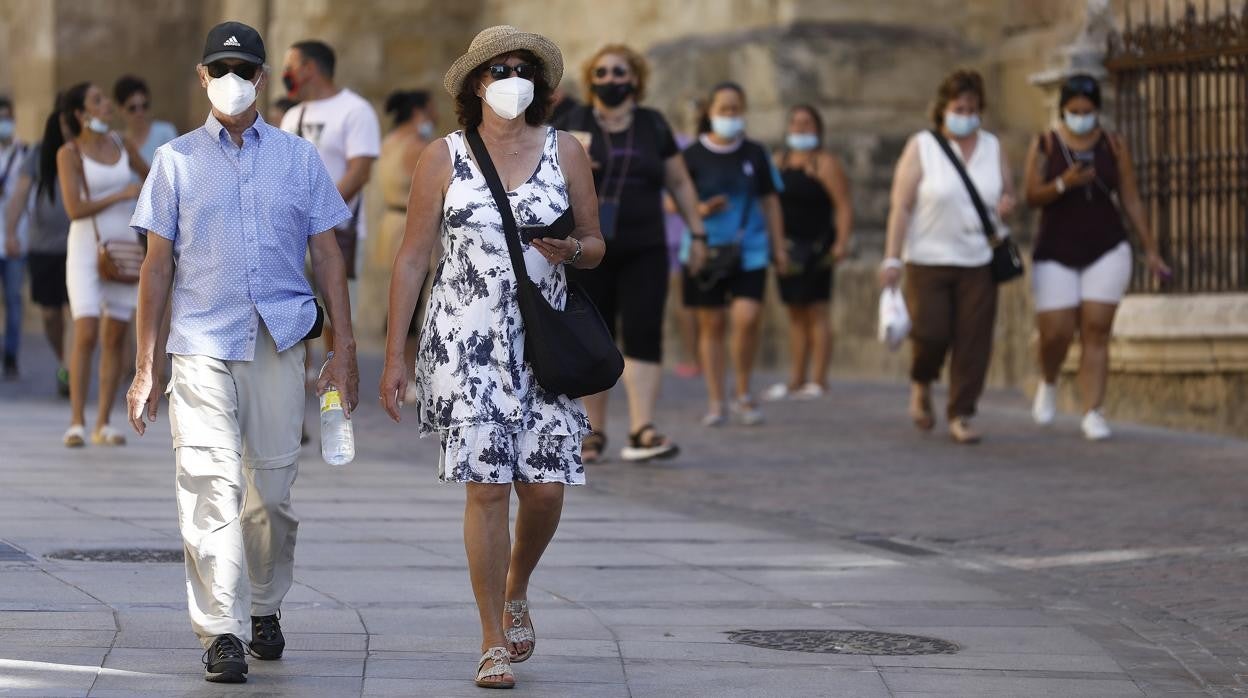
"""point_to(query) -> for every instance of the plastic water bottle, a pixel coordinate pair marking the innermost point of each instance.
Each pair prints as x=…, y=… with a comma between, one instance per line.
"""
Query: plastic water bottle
x=337, y=434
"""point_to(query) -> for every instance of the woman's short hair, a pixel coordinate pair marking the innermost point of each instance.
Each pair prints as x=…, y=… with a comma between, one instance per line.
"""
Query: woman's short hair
x=959, y=82
x=636, y=63
x=468, y=105
x=127, y=86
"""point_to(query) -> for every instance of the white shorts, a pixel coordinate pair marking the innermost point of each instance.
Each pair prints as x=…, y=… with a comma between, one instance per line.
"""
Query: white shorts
x=90, y=296
x=1059, y=287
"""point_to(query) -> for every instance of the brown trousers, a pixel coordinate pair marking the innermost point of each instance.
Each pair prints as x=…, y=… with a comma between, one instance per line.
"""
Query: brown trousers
x=952, y=308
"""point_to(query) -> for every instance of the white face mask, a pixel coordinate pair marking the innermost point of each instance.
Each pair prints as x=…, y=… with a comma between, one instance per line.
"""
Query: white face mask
x=802, y=141
x=1079, y=124
x=727, y=127
x=509, y=98
x=98, y=126
x=961, y=125
x=230, y=94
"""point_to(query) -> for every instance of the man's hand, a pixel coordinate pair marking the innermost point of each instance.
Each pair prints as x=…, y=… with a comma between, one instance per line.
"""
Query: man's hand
x=143, y=397
x=342, y=373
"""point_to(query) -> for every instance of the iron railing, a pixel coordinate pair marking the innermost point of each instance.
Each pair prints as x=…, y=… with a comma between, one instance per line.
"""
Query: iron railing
x=1182, y=104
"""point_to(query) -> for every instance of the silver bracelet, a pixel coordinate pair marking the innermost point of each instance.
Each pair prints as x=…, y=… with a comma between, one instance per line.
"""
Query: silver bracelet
x=576, y=256
x=892, y=263
x=1059, y=184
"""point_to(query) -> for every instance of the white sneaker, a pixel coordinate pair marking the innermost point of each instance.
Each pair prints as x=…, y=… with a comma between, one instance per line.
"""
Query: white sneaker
x=809, y=391
x=776, y=393
x=747, y=412
x=714, y=417
x=1044, y=408
x=1095, y=428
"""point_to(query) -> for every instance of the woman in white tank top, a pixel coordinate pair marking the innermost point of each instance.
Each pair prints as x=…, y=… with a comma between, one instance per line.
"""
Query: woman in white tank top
x=95, y=170
x=935, y=229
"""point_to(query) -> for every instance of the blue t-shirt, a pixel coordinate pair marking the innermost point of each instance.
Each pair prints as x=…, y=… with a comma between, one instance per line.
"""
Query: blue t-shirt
x=744, y=174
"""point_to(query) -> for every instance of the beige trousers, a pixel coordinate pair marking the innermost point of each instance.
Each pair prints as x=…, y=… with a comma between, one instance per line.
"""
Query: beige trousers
x=236, y=429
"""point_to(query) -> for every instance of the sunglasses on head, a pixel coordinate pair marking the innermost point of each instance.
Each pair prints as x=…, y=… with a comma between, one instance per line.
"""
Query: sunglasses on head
x=618, y=71
x=1081, y=85
x=502, y=71
x=246, y=71
x=137, y=107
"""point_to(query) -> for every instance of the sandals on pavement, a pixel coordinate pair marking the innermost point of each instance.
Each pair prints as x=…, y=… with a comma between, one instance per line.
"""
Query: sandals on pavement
x=647, y=444
x=593, y=448
x=108, y=436
x=921, y=410
x=501, y=668
x=517, y=631
x=75, y=436
x=961, y=430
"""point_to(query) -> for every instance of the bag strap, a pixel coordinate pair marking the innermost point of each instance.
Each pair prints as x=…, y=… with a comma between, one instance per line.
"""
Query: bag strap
x=748, y=208
x=86, y=189
x=989, y=229
x=482, y=155
x=299, y=127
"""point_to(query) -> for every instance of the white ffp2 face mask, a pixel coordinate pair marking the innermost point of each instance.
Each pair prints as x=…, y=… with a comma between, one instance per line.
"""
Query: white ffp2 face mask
x=509, y=98
x=98, y=125
x=230, y=94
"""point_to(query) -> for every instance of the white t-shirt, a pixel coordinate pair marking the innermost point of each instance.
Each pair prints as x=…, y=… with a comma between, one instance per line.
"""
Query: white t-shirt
x=341, y=127
x=945, y=229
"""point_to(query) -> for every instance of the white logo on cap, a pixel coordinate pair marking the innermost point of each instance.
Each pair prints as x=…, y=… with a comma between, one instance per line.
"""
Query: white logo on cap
x=232, y=41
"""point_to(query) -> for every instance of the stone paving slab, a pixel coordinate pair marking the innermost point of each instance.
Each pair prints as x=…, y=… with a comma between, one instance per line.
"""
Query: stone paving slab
x=633, y=601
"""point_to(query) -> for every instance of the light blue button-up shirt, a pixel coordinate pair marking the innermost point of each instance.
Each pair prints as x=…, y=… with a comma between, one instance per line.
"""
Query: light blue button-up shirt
x=239, y=220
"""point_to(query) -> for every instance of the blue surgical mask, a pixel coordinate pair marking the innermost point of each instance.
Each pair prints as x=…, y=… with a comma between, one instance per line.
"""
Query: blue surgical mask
x=6, y=129
x=95, y=124
x=802, y=141
x=728, y=127
x=961, y=125
x=425, y=129
x=1079, y=124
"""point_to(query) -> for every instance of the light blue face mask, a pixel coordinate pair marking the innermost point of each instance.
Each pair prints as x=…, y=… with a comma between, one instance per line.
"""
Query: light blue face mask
x=1079, y=124
x=802, y=141
x=6, y=129
x=961, y=125
x=727, y=127
x=426, y=130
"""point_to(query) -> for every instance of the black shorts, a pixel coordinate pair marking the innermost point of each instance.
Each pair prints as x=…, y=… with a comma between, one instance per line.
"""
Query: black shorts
x=630, y=290
x=811, y=286
x=47, y=279
x=743, y=284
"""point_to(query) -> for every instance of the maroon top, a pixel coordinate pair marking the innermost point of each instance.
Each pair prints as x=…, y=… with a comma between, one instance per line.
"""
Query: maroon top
x=1084, y=222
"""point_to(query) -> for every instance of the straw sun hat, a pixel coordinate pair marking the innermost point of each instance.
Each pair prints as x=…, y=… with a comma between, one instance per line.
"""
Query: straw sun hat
x=496, y=41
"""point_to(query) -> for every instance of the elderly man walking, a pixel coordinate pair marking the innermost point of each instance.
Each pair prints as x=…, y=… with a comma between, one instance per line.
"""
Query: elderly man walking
x=237, y=203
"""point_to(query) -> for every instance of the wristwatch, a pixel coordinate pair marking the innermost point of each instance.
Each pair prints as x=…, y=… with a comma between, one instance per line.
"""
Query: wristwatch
x=1060, y=185
x=576, y=256
x=698, y=236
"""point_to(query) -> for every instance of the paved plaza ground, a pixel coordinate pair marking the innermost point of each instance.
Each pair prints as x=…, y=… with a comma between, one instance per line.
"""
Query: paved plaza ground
x=1057, y=567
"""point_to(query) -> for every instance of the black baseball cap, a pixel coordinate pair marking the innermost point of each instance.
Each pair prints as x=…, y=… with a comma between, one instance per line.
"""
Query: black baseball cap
x=234, y=40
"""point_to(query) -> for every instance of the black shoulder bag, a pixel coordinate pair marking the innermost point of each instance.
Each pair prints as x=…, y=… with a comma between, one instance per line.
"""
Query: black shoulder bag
x=571, y=350
x=724, y=260
x=1007, y=263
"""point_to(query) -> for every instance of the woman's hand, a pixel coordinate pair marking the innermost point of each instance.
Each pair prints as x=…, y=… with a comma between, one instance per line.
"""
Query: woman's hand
x=393, y=387
x=1157, y=265
x=12, y=246
x=556, y=250
x=713, y=205
x=699, y=250
x=890, y=276
x=131, y=191
x=1005, y=205
x=840, y=251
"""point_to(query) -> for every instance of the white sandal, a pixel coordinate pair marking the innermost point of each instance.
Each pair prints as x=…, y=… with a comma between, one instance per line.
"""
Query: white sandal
x=108, y=436
x=519, y=632
x=502, y=667
x=75, y=436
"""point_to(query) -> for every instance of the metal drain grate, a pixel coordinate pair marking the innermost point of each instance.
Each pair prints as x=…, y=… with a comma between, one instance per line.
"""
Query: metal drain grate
x=118, y=555
x=843, y=642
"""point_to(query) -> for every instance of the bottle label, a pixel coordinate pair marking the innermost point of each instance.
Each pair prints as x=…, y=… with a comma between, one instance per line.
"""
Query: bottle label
x=331, y=400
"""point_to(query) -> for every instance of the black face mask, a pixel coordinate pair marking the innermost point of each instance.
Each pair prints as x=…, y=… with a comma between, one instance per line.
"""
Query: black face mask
x=613, y=94
x=288, y=81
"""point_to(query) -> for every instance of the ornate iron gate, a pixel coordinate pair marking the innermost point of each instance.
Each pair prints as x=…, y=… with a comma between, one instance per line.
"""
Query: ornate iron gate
x=1182, y=103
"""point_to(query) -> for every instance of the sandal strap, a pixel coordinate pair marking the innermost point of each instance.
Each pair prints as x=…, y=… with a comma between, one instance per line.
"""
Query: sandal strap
x=657, y=438
x=502, y=663
x=595, y=440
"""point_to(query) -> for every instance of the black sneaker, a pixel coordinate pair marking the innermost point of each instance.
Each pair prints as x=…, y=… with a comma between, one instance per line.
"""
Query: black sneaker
x=267, y=641
x=225, y=661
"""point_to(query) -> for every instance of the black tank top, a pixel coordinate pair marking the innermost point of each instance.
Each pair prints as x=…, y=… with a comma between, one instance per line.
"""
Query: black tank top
x=1083, y=223
x=806, y=206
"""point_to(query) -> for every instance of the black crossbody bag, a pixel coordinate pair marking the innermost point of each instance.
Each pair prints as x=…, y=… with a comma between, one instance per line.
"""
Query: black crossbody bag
x=571, y=350
x=724, y=260
x=1007, y=263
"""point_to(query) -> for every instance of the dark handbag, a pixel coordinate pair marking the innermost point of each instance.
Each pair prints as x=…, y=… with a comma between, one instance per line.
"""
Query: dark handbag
x=808, y=255
x=117, y=260
x=724, y=260
x=348, y=239
x=1007, y=263
x=571, y=350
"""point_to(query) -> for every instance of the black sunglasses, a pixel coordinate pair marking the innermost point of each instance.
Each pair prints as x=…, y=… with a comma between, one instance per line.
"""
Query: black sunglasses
x=1082, y=86
x=618, y=71
x=502, y=71
x=137, y=107
x=246, y=71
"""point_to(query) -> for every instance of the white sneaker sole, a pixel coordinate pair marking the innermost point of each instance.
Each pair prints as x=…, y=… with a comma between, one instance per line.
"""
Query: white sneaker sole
x=641, y=455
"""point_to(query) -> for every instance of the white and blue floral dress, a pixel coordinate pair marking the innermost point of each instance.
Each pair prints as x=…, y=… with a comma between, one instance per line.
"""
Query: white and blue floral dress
x=475, y=389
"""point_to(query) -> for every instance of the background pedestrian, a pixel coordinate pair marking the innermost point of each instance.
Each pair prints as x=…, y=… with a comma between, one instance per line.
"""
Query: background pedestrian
x=13, y=249
x=142, y=131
